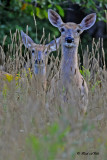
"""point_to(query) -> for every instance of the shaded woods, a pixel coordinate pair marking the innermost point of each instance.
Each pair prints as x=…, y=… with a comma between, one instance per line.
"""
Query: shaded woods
x=17, y=14
x=32, y=124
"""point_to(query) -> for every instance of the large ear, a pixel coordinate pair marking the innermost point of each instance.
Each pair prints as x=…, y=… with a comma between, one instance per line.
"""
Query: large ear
x=27, y=41
x=54, y=18
x=88, y=21
x=54, y=45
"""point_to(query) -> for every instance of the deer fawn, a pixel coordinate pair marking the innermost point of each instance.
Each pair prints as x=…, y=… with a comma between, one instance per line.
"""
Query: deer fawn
x=39, y=58
x=69, y=70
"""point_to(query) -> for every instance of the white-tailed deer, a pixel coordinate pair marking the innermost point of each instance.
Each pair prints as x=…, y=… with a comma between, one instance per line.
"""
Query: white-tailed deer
x=39, y=57
x=69, y=69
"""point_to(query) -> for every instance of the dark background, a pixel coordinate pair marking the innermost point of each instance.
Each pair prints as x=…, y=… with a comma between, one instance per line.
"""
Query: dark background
x=17, y=14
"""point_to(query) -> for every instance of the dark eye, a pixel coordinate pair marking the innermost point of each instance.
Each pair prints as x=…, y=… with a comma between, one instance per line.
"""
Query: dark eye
x=62, y=29
x=78, y=30
x=46, y=52
x=33, y=51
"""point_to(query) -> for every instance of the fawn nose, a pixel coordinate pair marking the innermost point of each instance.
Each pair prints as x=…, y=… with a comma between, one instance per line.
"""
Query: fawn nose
x=36, y=61
x=69, y=39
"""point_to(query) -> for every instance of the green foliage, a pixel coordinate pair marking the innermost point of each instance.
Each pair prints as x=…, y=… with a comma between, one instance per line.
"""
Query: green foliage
x=61, y=11
x=86, y=127
x=44, y=5
x=85, y=73
x=95, y=85
x=49, y=143
x=5, y=89
x=18, y=14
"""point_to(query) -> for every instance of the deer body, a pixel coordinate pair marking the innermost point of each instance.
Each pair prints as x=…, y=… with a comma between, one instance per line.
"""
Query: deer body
x=39, y=59
x=69, y=70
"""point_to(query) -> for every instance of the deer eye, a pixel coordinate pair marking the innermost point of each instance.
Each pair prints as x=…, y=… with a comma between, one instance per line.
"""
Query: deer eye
x=62, y=29
x=33, y=51
x=46, y=52
x=78, y=30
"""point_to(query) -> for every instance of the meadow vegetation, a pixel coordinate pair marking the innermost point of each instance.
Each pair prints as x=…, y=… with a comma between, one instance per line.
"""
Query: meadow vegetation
x=32, y=130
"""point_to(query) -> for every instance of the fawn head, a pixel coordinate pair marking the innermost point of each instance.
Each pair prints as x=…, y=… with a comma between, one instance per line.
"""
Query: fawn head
x=39, y=51
x=70, y=32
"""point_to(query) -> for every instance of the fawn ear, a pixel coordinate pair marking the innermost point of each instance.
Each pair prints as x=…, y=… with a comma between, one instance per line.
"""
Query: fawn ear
x=53, y=45
x=27, y=41
x=88, y=21
x=54, y=18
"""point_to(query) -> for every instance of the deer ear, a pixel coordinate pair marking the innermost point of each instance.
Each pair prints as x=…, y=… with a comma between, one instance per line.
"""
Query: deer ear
x=54, y=18
x=53, y=45
x=27, y=41
x=88, y=21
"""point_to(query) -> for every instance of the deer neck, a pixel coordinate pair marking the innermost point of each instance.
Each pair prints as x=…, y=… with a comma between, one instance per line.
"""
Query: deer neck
x=69, y=63
x=40, y=70
x=40, y=77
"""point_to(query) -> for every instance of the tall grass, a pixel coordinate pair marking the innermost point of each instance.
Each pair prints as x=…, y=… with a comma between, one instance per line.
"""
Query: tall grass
x=30, y=129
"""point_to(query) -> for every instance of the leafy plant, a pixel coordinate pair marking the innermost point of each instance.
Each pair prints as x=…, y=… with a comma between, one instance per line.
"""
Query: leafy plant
x=49, y=144
x=95, y=85
x=85, y=73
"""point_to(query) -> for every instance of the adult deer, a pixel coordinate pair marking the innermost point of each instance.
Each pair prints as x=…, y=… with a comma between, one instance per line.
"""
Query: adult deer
x=69, y=70
x=39, y=58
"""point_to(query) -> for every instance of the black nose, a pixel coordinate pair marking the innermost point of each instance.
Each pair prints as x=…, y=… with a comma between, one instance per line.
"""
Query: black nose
x=37, y=61
x=69, y=39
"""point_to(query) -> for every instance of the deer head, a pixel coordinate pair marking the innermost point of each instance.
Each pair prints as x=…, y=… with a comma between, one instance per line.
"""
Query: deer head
x=70, y=32
x=39, y=52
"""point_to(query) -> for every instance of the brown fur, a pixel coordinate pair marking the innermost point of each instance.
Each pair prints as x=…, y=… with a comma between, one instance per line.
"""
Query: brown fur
x=69, y=71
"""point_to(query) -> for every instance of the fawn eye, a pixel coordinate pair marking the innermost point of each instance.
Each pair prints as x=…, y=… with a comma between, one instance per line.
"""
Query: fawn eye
x=62, y=29
x=78, y=30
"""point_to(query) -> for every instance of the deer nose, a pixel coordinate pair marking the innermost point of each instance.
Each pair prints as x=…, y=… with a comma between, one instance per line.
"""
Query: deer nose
x=69, y=39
